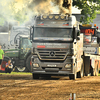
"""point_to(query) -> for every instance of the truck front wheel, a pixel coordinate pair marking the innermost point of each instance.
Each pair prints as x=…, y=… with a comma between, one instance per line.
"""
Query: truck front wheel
x=28, y=63
x=97, y=71
x=35, y=76
x=80, y=74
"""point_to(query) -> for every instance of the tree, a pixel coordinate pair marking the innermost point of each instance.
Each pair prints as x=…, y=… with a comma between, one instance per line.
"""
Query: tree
x=88, y=9
x=19, y=15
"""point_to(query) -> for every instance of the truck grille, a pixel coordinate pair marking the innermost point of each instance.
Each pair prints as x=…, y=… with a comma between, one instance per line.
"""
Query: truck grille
x=52, y=54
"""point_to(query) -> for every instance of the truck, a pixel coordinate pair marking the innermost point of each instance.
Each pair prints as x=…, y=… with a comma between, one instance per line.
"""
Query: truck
x=20, y=55
x=57, y=46
x=61, y=47
x=91, y=48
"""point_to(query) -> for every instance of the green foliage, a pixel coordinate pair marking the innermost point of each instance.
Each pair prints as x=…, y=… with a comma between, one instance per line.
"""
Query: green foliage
x=88, y=9
x=19, y=15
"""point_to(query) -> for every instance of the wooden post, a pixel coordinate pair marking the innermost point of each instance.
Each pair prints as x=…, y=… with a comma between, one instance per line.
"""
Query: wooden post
x=72, y=96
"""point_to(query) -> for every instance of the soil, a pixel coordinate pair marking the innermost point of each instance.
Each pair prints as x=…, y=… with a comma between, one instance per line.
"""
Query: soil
x=23, y=87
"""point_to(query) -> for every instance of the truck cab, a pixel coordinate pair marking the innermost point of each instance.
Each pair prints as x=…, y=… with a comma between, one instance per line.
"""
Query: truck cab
x=56, y=46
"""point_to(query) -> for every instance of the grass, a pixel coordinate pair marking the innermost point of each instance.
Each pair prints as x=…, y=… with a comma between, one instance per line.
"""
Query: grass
x=21, y=73
x=17, y=73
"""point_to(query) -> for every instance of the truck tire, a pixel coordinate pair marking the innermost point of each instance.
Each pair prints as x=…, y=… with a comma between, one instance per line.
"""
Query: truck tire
x=92, y=71
x=72, y=76
x=28, y=63
x=97, y=70
x=35, y=76
x=80, y=74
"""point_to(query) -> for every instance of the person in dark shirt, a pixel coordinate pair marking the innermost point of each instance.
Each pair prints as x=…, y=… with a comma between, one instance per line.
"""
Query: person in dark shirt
x=9, y=67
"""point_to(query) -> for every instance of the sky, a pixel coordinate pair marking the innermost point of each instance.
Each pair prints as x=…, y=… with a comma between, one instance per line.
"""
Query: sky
x=75, y=10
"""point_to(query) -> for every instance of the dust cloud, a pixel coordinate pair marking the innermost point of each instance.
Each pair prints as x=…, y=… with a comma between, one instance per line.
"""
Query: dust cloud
x=50, y=6
x=26, y=9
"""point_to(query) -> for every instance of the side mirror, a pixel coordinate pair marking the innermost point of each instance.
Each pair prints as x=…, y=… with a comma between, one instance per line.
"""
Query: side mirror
x=74, y=33
x=78, y=38
x=31, y=33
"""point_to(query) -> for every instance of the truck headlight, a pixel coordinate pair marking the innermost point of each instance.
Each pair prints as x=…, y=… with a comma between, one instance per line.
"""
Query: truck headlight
x=67, y=65
x=35, y=65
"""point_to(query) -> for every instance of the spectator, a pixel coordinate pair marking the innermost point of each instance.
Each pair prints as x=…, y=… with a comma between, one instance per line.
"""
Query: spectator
x=9, y=67
x=1, y=56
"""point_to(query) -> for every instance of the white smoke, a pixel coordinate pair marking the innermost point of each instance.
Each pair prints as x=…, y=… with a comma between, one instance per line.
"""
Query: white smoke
x=29, y=8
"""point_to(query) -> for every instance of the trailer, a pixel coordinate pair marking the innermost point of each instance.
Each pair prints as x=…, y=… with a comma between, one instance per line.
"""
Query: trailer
x=91, y=49
x=56, y=46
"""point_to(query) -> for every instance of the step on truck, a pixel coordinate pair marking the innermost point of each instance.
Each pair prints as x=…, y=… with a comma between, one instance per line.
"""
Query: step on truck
x=57, y=46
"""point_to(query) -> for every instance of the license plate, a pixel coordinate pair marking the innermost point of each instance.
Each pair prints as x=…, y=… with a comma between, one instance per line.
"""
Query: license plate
x=52, y=65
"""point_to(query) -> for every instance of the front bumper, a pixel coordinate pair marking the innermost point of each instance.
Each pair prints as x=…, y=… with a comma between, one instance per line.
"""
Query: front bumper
x=53, y=68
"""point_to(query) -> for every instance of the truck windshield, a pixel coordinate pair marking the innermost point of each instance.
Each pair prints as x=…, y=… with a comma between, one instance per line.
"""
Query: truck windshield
x=53, y=32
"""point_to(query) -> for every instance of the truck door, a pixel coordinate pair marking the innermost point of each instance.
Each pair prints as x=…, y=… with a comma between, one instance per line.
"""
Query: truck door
x=79, y=52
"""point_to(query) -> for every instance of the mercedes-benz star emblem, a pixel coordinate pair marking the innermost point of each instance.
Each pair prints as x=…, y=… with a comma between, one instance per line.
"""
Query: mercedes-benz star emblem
x=52, y=53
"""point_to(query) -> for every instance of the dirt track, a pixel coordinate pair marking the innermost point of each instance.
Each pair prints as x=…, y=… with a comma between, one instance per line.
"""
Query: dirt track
x=22, y=87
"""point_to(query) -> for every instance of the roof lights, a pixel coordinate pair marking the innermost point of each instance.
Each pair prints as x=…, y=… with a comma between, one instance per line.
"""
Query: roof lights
x=95, y=25
x=51, y=16
x=44, y=16
x=62, y=17
x=56, y=17
x=87, y=25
